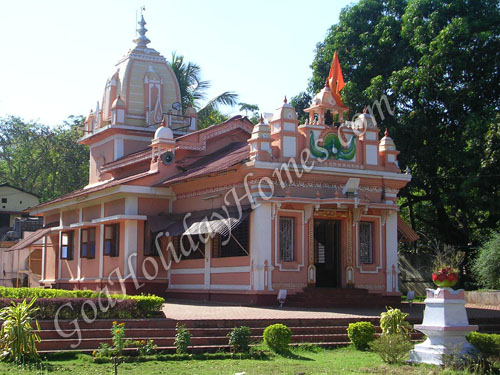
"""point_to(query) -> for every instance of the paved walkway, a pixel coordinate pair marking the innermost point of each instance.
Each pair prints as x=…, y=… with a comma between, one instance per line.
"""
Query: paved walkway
x=205, y=311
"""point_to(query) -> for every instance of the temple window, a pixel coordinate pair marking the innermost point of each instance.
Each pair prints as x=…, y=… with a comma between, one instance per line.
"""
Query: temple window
x=112, y=240
x=287, y=239
x=366, y=242
x=67, y=245
x=193, y=246
x=149, y=242
x=235, y=244
x=87, y=243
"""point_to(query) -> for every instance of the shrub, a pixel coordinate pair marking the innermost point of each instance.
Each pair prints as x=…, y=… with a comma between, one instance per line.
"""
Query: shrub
x=392, y=348
x=486, y=266
x=18, y=341
x=277, y=337
x=182, y=339
x=487, y=343
x=239, y=339
x=132, y=307
x=361, y=334
x=145, y=347
x=393, y=322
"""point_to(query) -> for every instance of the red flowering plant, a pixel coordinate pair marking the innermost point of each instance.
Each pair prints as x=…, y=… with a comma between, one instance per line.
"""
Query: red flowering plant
x=446, y=267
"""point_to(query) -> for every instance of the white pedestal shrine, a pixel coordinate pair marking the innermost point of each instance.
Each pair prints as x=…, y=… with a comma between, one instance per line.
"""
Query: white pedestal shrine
x=445, y=324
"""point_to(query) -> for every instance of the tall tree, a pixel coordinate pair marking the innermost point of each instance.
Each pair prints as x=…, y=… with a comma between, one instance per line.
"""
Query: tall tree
x=193, y=90
x=437, y=62
x=46, y=161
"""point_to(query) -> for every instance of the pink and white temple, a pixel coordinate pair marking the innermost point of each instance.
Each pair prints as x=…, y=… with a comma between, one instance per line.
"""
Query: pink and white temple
x=233, y=212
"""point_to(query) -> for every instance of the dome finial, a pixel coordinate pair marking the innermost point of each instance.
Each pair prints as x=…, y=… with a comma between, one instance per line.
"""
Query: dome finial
x=142, y=40
x=285, y=101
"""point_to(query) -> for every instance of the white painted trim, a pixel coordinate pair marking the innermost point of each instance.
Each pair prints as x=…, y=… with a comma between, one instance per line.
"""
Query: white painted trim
x=101, y=244
x=187, y=271
x=79, y=265
x=142, y=191
x=340, y=171
x=131, y=205
x=186, y=286
x=230, y=269
x=229, y=287
x=44, y=256
x=108, y=219
x=118, y=148
x=82, y=224
x=58, y=255
x=124, y=127
x=276, y=235
x=378, y=268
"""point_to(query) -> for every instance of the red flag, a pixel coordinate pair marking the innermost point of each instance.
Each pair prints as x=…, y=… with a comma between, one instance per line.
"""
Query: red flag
x=335, y=78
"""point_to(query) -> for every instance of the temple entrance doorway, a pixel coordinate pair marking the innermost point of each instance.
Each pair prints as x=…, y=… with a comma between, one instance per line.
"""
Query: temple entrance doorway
x=327, y=252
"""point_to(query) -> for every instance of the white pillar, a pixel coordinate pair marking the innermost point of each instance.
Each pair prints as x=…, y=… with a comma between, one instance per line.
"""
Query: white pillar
x=58, y=255
x=79, y=270
x=118, y=148
x=44, y=257
x=261, y=244
x=101, y=245
x=391, y=245
x=208, y=262
x=130, y=248
x=131, y=206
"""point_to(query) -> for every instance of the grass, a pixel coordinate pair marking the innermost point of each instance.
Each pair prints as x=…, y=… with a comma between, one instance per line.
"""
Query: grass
x=301, y=361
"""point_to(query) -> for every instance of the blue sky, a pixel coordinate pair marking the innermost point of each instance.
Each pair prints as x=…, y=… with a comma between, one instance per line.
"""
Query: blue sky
x=56, y=55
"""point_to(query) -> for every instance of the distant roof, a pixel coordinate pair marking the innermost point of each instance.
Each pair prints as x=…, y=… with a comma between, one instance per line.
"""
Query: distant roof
x=18, y=188
x=218, y=161
x=406, y=232
x=30, y=239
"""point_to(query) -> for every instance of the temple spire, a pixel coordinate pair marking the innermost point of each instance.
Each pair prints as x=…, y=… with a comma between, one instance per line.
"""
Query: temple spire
x=142, y=40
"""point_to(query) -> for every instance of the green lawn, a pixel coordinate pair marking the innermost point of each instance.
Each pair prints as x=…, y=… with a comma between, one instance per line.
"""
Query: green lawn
x=339, y=361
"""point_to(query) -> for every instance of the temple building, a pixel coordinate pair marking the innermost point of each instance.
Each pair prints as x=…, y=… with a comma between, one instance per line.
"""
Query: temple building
x=234, y=211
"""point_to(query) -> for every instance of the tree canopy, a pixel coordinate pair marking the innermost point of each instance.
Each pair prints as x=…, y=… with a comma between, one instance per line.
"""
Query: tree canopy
x=437, y=62
x=44, y=160
x=193, y=92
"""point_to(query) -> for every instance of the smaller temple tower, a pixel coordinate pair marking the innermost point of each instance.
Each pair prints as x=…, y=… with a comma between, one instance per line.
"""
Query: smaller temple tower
x=260, y=141
x=284, y=130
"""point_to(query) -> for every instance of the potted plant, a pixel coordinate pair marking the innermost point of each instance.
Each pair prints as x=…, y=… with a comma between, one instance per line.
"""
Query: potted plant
x=446, y=268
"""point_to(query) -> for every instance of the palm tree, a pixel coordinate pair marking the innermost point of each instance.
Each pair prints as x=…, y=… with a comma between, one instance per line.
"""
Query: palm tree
x=193, y=90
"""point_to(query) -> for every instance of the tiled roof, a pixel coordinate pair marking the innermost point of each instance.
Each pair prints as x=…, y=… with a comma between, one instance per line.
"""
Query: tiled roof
x=219, y=161
x=82, y=192
x=406, y=232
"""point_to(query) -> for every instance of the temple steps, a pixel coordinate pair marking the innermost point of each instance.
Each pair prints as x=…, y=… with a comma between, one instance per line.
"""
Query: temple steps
x=340, y=297
x=211, y=335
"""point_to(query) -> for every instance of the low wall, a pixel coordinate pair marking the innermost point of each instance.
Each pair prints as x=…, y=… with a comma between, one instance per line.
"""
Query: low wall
x=483, y=298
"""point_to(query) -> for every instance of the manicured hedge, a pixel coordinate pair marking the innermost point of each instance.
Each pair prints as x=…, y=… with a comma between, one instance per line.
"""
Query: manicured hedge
x=487, y=343
x=49, y=301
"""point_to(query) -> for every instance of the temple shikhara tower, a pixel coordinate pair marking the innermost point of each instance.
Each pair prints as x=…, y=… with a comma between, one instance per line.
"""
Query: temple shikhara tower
x=235, y=211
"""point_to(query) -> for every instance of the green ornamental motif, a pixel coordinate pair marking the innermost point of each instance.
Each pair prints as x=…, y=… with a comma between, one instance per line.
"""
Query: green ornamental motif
x=332, y=148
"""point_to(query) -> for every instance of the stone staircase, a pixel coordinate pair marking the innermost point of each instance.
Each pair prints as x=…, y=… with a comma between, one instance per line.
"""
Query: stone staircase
x=338, y=297
x=209, y=335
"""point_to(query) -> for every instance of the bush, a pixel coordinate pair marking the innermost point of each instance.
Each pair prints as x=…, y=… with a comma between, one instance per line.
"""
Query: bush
x=361, y=334
x=393, y=322
x=392, y=348
x=239, y=339
x=486, y=266
x=182, y=339
x=17, y=337
x=277, y=337
x=487, y=343
x=115, y=309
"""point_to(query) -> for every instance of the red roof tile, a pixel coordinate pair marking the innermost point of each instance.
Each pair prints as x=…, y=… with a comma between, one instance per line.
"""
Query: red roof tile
x=219, y=161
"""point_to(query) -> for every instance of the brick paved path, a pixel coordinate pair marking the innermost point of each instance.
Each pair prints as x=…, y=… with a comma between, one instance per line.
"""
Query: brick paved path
x=205, y=311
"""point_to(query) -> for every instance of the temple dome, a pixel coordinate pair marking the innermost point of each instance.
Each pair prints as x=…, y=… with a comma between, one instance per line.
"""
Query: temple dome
x=164, y=133
x=145, y=82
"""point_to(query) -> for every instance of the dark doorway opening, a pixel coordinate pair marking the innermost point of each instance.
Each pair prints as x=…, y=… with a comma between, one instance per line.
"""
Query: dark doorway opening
x=327, y=254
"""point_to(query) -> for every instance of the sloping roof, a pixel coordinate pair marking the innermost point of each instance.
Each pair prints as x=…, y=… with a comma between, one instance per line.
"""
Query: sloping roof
x=407, y=234
x=219, y=161
x=30, y=239
x=18, y=188
x=81, y=192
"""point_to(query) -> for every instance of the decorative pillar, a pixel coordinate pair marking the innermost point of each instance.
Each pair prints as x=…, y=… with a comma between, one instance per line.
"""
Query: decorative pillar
x=260, y=244
x=391, y=246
